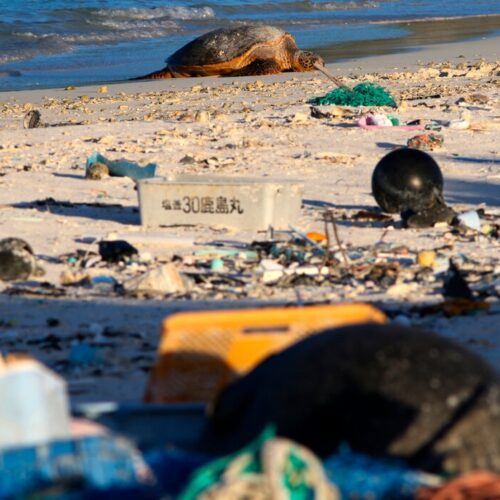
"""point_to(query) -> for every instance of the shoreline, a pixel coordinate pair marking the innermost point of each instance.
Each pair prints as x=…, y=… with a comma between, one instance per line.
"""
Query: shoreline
x=421, y=36
x=453, y=52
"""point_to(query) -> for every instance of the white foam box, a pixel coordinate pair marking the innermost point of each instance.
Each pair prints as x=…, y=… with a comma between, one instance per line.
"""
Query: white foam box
x=244, y=203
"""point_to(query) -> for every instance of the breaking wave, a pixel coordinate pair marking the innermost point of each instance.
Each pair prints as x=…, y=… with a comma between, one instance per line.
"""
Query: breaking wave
x=180, y=13
x=300, y=6
x=44, y=40
x=70, y=28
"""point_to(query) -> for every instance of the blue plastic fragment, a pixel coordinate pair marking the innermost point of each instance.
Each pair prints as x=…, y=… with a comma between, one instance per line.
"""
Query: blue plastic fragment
x=101, y=463
x=361, y=476
x=123, y=168
x=217, y=265
x=83, y=354
x=173, y=467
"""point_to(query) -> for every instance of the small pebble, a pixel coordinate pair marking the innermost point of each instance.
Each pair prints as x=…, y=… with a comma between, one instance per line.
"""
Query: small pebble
x=202, y=117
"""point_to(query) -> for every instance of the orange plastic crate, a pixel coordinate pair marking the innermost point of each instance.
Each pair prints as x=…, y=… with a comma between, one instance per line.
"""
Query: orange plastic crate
x=201, y=352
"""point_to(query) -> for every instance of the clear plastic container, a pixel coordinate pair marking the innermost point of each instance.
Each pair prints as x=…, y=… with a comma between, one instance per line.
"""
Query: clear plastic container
x=34, y=405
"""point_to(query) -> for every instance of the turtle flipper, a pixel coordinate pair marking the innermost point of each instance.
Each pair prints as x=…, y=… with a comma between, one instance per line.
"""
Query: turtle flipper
x=258, y=67
x=156, y=75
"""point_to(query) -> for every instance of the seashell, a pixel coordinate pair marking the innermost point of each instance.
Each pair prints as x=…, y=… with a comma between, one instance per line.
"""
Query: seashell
x=32, y=119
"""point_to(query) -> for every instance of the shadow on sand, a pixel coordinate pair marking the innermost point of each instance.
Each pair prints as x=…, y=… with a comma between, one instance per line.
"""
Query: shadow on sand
x=97, y=211
x=472, y=192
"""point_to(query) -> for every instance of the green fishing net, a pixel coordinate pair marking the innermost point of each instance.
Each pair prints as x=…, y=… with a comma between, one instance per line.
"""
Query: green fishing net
x=363, y=94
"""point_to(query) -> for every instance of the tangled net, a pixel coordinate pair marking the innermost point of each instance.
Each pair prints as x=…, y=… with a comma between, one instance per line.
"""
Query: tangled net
x=363, y=94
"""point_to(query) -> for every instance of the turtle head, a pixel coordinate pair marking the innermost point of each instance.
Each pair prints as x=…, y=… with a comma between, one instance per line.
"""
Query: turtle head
x=303, y=60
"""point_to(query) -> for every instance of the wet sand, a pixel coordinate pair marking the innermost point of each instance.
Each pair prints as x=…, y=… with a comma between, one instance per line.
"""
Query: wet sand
x=420, y=35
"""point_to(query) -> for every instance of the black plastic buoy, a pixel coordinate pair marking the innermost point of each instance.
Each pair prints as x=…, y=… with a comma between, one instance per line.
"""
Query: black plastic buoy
x=407, y=179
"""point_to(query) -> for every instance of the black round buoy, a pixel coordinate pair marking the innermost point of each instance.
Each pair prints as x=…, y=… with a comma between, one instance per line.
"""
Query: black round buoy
x=407, y=179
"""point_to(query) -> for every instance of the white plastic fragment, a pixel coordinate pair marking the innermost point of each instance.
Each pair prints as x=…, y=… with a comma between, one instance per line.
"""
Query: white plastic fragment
x=34, y=407
x=163, y=279
x=270, y=270
x=470, y=219
x=459, y=124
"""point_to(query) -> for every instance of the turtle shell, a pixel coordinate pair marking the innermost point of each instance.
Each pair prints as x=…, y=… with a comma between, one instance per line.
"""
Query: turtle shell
x=226, y=45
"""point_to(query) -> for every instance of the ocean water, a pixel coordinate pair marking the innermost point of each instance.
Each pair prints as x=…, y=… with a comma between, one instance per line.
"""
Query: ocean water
x=50, y=43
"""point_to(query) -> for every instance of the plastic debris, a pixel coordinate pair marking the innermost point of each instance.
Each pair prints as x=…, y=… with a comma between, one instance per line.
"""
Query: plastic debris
x=267, y=468
x=381, y=121
x=377, y=120
x=470, y=220
x=317, y=237
x=477, y=485
x=217, y=265
x=84, y=354
x=407, y=179
x=271, y=271
x=363, y=94
x=201, y=352
x=164, y=279
x=462, y=306
x=402, y=320
x=426, y=142
x=426, y=258
x=119, y=168
x=343, y=358
x=227, y=253
x=455, y=285
x=103, y=283
x=116, y=250
x=246, y=203
x=88, y=467
x=361, y=476
x=34, y=407
x=459, y=124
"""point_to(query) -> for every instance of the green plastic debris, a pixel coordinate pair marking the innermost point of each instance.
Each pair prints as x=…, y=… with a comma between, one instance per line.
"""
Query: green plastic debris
x=212, y=474
x=394, y=120
x=122, y=168
x=269, y=467
x=227, y=252
x=363, y=94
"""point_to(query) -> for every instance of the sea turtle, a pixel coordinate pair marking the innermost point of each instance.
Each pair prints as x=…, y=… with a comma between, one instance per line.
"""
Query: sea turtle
x=241, y=51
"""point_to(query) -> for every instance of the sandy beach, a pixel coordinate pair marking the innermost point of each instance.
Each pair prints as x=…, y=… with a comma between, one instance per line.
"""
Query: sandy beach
x=258, y=127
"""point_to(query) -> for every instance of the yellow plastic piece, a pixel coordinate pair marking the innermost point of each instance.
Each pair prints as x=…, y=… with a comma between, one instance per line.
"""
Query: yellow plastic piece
x=201, y=352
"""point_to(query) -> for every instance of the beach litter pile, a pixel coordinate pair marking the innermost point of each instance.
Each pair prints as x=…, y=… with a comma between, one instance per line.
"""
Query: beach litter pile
x=286, y=262
x=256, y=438
x=289, y=263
